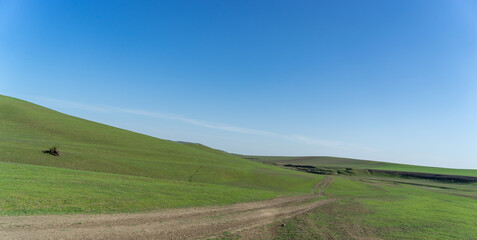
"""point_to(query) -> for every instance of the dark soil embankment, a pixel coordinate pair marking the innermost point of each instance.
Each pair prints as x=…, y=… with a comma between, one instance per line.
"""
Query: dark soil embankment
x=431, y=176
x=351, y=171
x=299, y=166
x=310, y=169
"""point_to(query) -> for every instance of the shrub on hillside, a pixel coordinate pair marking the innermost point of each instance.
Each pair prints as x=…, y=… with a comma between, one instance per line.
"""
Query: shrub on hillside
x=53, y=151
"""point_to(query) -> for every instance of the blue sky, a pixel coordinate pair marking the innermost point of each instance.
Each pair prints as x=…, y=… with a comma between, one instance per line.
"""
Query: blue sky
x=383, y=80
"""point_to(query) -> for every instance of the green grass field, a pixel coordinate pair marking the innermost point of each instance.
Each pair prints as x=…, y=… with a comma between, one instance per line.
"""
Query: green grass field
x=381, y=206
x=377, y=209
x=335, y=162
x=103, y=169
x=29, y=189
x=127, y=161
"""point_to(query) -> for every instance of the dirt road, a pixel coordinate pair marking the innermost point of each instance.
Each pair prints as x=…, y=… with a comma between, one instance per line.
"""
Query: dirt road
x=321, y=185
x=186, y=223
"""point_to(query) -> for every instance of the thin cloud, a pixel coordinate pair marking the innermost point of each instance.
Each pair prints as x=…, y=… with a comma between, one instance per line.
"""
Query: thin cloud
x=327, y=143
x=74, y=105
x=196, y=122
x=211, y=125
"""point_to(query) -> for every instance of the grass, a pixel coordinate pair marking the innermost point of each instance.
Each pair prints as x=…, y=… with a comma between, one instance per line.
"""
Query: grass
x=28, y=189
x=103, y=169
x=386, y=211
x=28, y=129
x=335, y=162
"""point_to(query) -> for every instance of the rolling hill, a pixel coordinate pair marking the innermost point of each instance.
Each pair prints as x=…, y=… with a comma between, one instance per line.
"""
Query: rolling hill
x=107, y=159
x=103, y=169
x=341, y=163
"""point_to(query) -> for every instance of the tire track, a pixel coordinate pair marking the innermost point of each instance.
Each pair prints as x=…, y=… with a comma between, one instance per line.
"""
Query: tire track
x=186, y=223
x=321, y=185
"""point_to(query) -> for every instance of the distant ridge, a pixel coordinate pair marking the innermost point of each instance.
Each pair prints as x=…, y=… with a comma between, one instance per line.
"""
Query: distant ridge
x=339, y=162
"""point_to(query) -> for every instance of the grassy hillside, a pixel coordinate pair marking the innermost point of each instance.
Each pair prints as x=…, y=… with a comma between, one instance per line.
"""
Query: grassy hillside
x=30, y=189
x=26, y=129
x=384, y=210
x=335, y=162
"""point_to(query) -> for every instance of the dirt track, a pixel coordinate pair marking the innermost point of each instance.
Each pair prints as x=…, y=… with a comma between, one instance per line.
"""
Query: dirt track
x=186, y=223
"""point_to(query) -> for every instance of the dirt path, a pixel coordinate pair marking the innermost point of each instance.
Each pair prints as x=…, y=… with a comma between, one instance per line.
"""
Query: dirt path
x=321, y=185
x=186, y=223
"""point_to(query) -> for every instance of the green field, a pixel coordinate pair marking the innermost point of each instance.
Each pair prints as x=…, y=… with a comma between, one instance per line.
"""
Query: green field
x=29, y=189
x=335, y=162
x=101, y=166
x=379, y=205
x=102, y=169
x=376, y=209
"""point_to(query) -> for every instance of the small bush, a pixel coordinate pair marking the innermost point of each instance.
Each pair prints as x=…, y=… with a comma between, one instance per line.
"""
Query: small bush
x=53, y=151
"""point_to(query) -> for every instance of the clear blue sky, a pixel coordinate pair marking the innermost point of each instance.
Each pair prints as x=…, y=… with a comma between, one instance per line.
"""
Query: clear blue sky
x=384, y=80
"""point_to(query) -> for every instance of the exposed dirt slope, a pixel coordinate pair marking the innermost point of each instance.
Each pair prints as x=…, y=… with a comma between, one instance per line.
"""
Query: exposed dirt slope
x=188, y=223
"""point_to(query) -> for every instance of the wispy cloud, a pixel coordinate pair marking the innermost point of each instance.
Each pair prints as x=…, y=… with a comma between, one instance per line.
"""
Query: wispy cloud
x=196, y=122
x=327, y=143
x=75, y=105
x=206, y=124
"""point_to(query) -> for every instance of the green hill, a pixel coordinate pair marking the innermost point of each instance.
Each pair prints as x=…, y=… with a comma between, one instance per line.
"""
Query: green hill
x=340, y=163
x=27, y=129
